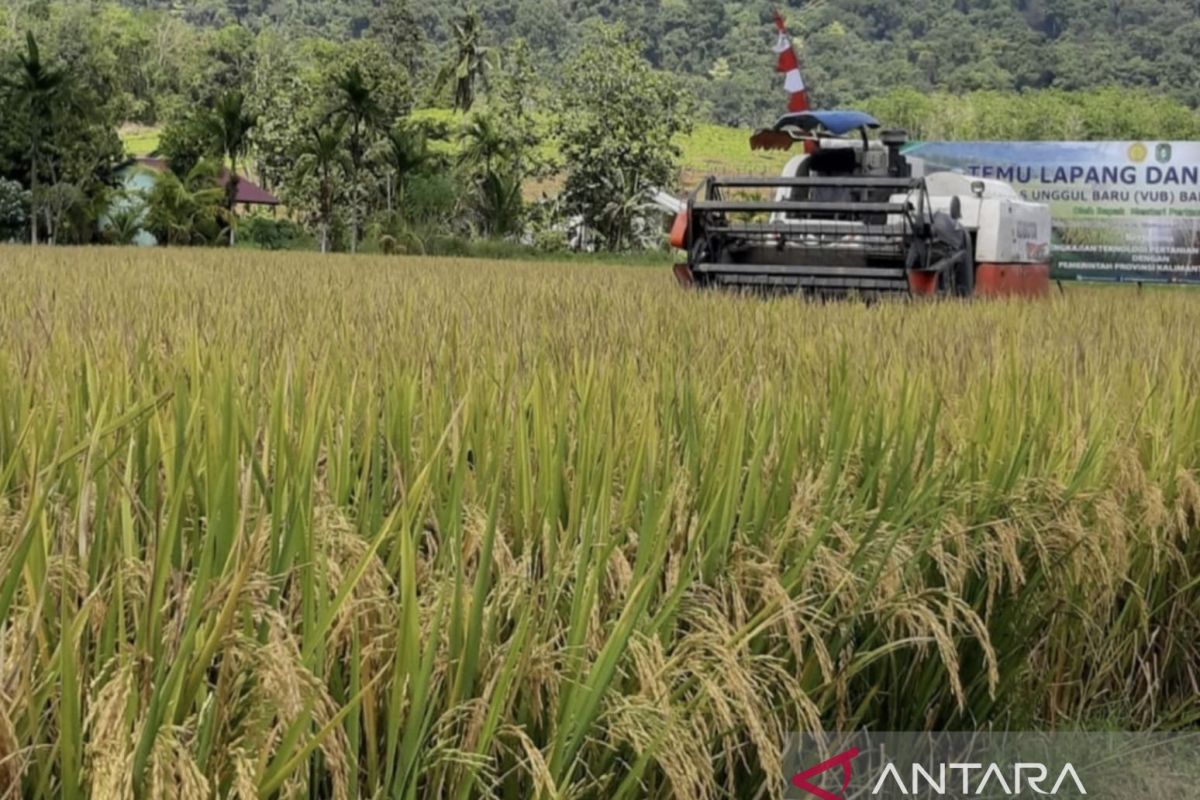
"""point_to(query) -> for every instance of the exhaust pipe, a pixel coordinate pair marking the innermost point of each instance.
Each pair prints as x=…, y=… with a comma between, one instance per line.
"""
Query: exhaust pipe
x=894, y=140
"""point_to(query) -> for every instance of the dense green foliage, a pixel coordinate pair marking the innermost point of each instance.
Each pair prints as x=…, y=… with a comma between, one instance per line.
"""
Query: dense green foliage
x=853, y=49
x=363, y=145
x=1047, y=115
x=14, y=208
x=58, y=136
x=616, y=128
x=391, y=123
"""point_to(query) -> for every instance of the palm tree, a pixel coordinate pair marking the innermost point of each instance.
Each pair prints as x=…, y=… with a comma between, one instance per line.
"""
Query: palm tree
x=321, y=158
x=471, y=61
x=124, y=224
x=229, y=125
x=407, y=153
x=358, y=109
x=186, y=210
x=500, y=203
x=488, y=148
x=484, y=143
x=37, y=87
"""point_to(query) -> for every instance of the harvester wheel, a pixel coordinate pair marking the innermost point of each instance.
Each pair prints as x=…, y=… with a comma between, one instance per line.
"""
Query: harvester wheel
x=954, y=245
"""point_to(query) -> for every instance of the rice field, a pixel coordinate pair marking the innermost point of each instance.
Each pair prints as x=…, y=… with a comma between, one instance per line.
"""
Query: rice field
x=292, y=526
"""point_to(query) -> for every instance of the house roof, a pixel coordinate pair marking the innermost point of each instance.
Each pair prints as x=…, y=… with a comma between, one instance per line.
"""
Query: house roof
x=248, y=192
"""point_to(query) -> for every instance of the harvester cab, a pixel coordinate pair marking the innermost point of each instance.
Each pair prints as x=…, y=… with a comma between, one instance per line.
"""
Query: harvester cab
x=852, y=214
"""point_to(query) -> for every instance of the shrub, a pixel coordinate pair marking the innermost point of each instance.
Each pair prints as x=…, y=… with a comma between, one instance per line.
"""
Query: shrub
x=269, y=233
x=551, y=240
x=430, y=199
x=14, y=210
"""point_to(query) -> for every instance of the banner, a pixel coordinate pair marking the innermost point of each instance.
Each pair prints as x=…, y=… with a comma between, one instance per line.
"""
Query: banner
x=1122, y=211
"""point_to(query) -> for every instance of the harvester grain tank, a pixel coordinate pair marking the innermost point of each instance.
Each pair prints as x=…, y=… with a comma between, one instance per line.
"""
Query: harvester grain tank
x=852, y=214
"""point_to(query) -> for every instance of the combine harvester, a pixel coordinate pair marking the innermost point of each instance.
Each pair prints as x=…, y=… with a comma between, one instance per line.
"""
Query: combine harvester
x=851, y=215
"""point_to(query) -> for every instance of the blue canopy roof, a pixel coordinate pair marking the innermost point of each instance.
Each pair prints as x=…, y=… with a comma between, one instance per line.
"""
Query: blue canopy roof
x=836, y=122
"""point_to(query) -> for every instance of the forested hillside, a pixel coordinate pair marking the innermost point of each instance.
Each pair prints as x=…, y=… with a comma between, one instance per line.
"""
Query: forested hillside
x=853, y=49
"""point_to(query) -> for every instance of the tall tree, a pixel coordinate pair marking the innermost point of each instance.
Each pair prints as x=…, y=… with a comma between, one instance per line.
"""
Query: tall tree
x=471, y=60
x=358, y=109
x=37, y=88
x=485, y=143
x=229, y=125
x=489, y=157
x=322, y=160
x=407, y=153
x=517, y=96
x=397, y=27
x=617, y=124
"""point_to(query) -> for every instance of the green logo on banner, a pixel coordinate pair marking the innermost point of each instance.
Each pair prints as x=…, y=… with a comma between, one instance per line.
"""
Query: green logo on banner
x=1163, y=153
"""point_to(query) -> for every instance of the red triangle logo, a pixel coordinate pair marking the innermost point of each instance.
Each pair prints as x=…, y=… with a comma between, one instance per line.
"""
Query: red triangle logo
x=801, y=780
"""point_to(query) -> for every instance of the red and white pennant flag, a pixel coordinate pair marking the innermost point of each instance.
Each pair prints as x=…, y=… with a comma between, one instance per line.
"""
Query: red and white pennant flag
x=789, y=65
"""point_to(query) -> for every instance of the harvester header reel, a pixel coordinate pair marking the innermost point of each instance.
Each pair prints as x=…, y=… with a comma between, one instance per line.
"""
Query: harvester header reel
x=824, y=235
